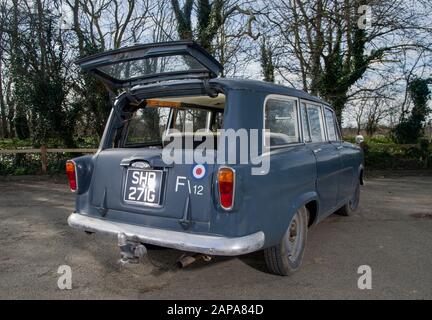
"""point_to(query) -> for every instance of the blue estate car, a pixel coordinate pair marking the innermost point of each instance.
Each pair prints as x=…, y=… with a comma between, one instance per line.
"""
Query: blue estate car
x=167, y=173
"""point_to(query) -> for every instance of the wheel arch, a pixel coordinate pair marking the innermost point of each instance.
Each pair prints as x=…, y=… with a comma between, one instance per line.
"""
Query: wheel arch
x=311, y=202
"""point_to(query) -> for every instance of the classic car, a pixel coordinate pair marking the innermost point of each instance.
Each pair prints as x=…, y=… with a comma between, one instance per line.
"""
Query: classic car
x=170, y=92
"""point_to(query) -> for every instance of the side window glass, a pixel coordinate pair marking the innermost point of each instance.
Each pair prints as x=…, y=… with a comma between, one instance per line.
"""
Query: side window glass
x=217, y=121
x=338, y=130
x=331, y=125
x=281, y=120
x=316, y=124
x=147, y=126
x=305, y=124
x=190, y=120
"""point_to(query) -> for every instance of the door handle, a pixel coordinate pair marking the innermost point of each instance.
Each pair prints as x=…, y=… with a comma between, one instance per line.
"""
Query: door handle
x=340, y=147
x=317, y=150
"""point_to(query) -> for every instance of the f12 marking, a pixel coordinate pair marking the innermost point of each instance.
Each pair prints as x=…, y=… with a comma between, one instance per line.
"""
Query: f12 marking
x=195, y=189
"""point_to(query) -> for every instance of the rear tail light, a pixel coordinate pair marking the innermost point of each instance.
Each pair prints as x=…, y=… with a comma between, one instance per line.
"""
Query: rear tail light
x=226, y=183
x=71, y=174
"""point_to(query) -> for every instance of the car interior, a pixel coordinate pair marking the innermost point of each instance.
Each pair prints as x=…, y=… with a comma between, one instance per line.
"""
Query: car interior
x=157, y=122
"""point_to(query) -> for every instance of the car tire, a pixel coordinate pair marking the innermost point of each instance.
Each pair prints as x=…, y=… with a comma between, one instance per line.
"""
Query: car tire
x=286, y=257
x=349, y=208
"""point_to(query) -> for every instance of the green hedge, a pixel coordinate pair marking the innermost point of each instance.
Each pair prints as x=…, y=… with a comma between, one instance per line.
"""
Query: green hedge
x=396, y=156
x=30, y=163
x=379, y=154
x=89, y=142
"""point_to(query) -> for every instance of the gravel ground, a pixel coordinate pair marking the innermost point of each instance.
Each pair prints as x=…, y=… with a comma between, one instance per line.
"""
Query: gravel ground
x=391, y=232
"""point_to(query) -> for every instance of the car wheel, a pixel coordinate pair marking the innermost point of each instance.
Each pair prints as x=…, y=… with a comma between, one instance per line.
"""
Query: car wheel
x=285, y=258
x=352, y=205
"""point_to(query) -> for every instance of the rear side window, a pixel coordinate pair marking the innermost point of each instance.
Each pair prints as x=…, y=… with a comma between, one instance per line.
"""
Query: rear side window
x=305, y=124
x=331, y=124
x=190, y=120
x=316, y=123
x=281, y=120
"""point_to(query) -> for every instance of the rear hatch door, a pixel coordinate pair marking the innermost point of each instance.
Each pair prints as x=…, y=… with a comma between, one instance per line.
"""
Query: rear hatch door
x=149, y=63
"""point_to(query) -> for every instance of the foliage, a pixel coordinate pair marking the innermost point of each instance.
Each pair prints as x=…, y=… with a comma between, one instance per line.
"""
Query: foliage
x=410, y=129
x=87, y=142
x=316, y=45
x=267, y=65
x=30, y=163
x=396, y=156
x=382, y=153
x=40, y=78
x=377, y=139
x=21, y=164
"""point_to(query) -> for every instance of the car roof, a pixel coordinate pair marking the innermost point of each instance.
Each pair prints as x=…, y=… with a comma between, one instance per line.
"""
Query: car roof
x=268, y=87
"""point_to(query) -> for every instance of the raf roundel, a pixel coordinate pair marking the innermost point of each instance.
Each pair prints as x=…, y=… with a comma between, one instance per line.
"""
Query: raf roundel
x=199, y=171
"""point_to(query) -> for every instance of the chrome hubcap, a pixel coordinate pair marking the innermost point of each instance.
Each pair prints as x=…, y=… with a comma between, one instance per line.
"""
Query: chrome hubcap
x=294, y=239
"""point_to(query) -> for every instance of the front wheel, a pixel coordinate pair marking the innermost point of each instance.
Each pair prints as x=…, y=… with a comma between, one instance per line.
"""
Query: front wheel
x=286, y=257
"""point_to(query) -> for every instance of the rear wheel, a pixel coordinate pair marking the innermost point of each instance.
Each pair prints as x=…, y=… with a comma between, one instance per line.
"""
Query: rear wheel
x=349, y=208
x=285, y=258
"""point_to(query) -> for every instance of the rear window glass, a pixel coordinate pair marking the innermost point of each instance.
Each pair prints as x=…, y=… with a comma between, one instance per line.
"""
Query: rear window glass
x=148, y=66
x=281, y=120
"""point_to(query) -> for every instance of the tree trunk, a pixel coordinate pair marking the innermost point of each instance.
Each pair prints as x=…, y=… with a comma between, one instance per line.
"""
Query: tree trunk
x=11, y=110
x=20, y=119
x=5, y=131
x=267, y=65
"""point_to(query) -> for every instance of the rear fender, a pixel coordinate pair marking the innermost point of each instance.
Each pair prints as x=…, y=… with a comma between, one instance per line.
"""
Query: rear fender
x=274, y=238
x=84, y=169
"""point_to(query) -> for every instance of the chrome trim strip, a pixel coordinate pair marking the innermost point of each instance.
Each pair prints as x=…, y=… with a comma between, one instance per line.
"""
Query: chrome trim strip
x=212, y=245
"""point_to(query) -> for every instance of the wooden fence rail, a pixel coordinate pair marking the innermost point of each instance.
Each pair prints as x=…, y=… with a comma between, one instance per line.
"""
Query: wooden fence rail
x=44, y=152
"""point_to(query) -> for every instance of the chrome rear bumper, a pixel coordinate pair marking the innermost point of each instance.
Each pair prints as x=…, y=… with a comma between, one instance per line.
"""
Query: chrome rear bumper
x=207, y=244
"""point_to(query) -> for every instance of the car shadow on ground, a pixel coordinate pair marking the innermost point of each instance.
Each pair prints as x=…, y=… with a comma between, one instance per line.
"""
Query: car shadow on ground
x=255, y=260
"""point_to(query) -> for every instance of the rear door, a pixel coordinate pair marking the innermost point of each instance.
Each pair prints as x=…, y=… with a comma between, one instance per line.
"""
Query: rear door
x=326, y=154
x=346, y=153
x=149, y=63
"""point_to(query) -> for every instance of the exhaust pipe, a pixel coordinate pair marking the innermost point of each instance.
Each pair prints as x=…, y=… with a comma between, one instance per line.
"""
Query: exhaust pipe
x=187, y=260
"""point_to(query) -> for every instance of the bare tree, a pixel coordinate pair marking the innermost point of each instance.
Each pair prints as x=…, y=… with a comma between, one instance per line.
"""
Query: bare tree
x=3, y=118
x=331, y=51
x=221, y=27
